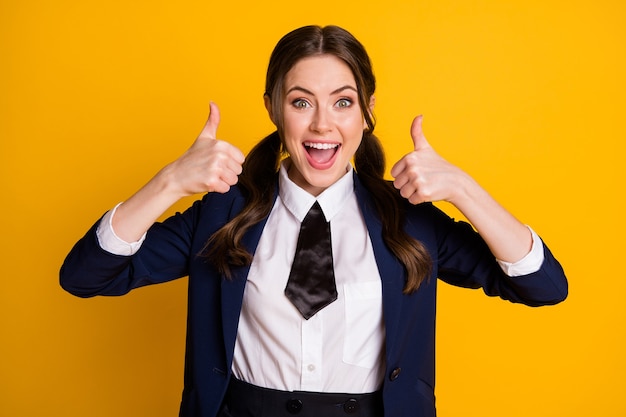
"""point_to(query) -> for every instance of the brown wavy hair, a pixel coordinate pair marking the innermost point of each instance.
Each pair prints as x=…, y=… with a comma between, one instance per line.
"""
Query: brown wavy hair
x=258, y=179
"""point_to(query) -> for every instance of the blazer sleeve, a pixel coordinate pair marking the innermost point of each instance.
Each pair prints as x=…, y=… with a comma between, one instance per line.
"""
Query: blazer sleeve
x=89, y=270
x=463, y=259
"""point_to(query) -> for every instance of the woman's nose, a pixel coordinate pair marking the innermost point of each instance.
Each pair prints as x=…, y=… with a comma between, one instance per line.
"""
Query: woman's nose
x=321, y=122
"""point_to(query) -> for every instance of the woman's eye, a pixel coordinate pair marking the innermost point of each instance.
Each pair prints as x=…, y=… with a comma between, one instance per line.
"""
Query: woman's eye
x=344, y=102
x=300, y=104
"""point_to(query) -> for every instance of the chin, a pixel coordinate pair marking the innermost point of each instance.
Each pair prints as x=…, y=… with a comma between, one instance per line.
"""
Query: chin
x=323, y=181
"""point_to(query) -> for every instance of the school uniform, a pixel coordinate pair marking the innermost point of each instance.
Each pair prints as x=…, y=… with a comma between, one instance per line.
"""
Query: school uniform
x=244, y=333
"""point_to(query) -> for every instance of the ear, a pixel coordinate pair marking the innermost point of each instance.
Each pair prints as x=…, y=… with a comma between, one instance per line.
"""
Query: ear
x=370, y=110
x=268, y=107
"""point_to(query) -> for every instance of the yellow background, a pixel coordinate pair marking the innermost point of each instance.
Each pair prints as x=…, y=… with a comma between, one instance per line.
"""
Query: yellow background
x=527, y=96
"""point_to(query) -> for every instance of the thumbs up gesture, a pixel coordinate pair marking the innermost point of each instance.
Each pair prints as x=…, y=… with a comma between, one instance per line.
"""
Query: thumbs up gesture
x=209, y=164
x=422, y=175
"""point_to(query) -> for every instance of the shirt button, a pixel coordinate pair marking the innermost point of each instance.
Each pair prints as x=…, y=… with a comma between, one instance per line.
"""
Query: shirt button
x=311, y=367
x=294, y=406
x=395, y=374
x=351, y=406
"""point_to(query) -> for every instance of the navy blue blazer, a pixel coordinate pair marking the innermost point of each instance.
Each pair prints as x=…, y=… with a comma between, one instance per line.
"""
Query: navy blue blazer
x=170, y=251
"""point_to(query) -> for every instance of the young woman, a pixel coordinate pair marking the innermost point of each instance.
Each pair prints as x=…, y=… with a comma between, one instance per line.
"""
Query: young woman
x=368, y=352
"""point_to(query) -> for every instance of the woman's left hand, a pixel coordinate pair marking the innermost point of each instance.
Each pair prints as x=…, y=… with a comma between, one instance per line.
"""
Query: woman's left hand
x=422, y=175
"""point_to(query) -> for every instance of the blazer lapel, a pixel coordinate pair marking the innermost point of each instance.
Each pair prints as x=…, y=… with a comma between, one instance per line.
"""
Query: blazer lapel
x=232, y=290
x=390, y=269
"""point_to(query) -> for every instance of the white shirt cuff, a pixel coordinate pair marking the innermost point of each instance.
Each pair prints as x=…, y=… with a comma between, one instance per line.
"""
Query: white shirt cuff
x=529, y=263
x=111, y=242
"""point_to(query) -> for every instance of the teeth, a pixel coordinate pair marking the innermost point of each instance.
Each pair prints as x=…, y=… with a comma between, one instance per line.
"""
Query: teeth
x=317, y=145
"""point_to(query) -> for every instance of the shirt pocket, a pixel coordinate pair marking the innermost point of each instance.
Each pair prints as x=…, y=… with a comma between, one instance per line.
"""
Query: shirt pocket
x=364, y=335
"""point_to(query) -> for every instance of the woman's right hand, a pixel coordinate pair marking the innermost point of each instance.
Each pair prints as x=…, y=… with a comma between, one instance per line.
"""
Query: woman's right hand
x=209, y=165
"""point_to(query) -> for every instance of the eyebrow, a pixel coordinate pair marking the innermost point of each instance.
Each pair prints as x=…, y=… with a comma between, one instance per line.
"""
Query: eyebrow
x=337, y=91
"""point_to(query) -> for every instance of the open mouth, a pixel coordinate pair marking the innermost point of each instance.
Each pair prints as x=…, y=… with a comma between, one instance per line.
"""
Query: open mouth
x=321, y=154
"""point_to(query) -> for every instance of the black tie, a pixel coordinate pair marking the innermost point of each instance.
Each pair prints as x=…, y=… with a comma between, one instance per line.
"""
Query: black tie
x=311, y=285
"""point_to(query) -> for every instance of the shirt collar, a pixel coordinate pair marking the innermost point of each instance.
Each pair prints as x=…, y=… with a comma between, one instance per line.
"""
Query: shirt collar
x=298, y=201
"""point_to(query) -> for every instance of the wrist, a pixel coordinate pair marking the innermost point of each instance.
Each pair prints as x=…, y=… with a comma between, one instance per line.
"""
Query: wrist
x=465, y=191
x=167, y=185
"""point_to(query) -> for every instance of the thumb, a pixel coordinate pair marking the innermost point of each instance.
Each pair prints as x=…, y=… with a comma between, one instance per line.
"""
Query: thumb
x=419, y=140
x=210, y=128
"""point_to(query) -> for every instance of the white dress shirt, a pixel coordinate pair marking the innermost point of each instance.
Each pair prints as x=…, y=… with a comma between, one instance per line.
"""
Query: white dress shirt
x=339, y=349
